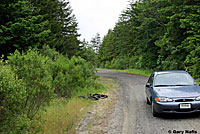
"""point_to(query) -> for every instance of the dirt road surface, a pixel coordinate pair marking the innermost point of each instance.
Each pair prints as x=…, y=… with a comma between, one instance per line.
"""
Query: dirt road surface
x=132, y=115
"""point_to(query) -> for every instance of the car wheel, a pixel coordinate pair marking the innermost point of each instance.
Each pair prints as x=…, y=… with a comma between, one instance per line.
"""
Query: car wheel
x=148, y=102
x=155, y=114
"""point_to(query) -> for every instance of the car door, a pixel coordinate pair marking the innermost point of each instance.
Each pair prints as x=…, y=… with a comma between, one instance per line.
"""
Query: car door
x=149, y=86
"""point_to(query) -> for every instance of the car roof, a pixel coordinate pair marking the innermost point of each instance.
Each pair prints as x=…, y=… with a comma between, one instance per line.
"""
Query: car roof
x=169, y=71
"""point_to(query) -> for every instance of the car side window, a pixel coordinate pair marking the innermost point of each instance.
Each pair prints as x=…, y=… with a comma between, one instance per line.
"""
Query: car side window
x=151, y=79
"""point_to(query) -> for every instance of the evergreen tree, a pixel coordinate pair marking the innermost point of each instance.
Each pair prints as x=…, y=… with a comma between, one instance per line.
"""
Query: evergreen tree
x=62, y=24
x=107, y=50
x=156, y=34
x=19, y=27
x=87, y=52
x=95, y=42
x=71, y=43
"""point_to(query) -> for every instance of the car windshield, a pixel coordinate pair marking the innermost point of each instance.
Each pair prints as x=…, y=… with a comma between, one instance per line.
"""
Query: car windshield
x=173, y=79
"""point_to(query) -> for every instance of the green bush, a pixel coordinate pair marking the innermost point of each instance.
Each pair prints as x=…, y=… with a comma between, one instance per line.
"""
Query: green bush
x=115, y=64
x=193, y=63
x=30, y=80
x=81, y=72
x=118, y=63
x=13, y=95
x=69, y=75
x=59, y=67
x=34, y=70
x=49, y=52
x=132, y=61
x=107, y=65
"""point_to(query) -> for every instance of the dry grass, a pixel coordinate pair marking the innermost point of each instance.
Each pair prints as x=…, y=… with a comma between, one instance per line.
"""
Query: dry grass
x=62, y=117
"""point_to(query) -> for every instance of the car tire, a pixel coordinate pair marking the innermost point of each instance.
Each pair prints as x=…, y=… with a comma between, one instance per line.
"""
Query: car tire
x=148, y=102
x=155, y=114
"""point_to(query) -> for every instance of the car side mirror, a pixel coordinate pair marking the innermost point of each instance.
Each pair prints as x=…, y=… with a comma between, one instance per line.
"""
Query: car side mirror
x=148, y=85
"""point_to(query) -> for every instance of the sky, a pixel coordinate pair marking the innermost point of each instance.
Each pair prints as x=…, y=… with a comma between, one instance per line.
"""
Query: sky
x=97, y=16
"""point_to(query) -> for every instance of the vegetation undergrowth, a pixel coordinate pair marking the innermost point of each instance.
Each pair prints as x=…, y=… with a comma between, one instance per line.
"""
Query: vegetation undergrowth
x=34, y=81
x=63, y=115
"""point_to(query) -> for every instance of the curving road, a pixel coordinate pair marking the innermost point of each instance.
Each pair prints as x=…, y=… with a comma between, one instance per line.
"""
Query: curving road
x=137, y=117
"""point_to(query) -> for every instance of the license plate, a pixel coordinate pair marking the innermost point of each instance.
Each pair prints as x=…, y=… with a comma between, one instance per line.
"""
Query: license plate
x=185, y=106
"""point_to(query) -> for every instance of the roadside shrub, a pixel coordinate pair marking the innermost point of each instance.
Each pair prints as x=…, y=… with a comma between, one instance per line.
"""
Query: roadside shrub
x=49, y=52
x=120, y=63
x=61, y=77
x=132, y=61
x=29, y=80
x=13, y=94
x=101, y=65
x=81, y=72
x=193, y=63
x=89, y=55
x=34, y=70
x=69, y=75
x=107, y=65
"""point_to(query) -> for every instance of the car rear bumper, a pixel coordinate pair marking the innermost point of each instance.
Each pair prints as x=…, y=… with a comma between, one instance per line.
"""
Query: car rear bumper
x=174, y=107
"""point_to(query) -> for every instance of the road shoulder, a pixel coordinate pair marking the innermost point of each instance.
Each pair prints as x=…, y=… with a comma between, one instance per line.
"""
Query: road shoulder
x=106, y=115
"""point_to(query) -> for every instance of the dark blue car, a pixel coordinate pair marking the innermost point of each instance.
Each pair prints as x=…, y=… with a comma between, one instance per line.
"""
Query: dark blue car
x=172, y=92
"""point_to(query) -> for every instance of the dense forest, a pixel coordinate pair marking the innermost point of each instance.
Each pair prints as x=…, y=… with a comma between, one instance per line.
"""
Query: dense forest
x=41, y=59
x=35, y=23
x=155, y=35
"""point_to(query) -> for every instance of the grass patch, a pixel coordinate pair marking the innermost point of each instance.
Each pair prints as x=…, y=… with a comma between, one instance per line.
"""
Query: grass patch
x=198, y=81
x=108, y=83
x=136, y=71
x=62, y=116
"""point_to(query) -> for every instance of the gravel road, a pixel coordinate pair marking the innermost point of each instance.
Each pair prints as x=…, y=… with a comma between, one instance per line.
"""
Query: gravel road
x=132, y=115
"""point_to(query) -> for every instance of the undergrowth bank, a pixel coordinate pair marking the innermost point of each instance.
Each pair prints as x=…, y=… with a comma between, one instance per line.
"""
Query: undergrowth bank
x=30, y=80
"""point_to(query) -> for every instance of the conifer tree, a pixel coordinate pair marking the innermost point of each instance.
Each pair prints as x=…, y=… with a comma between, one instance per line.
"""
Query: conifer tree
x=19, y=27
